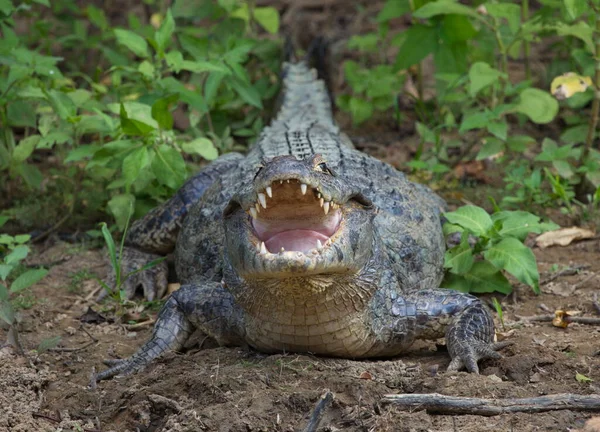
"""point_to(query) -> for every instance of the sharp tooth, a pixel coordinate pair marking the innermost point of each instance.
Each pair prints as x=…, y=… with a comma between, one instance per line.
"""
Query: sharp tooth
x=263, y=199
x=319, y=195
x=257, y=207
x=326, y=207
x=257, y=247
x=319, y=244
x=321, y=201
x=282, y=250
x=263, y=249
x=280, y=181
x=253, y=212
x=269, y=191
x=303, y=188
x=288, y=180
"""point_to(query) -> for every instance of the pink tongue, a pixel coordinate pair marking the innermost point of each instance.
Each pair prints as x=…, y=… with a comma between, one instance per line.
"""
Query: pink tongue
x=295, y=240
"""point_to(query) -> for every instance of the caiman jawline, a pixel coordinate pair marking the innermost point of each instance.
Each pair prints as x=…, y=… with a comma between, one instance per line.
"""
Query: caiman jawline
x=293, y=217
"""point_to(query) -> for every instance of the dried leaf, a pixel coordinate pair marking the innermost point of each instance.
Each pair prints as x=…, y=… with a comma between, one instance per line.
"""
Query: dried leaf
x=366, y=375
x=172, y=287
x=563, y=236
x=582, y=378
x=500, y=336
x=561, y=319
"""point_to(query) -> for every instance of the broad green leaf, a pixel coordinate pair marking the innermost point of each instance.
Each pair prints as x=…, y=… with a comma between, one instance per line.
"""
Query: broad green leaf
x=519, y=224
x=575, y=8
x=22, y=238
x=136, y=118
x=25, y=148
x=43, y=2
x=519, y=143
x=268, y=18
x=201, y=146
x=147, y=69
x=47, y=344
x=82, y=152
x=475, y=120
x=580, y=30
x=491, y=147
x=445, y=7
x=3, y=292
x=511, y=12
x=3, y=220
x=163, y=35
x=31, y=174
x=482, y=75
x=17, y=254
x=482, y=278
x=360, y=109
x=6, y=7
x=27, y=279
x=248, y=93
x=134, y=163
x=393, y=9
x=97, y=17
x=168, y=166
x=7, y=313
x=161, y=112
x=133, y=41
x=498, y=129
x=203, y=66
x=426, y=134
x=472, y=218
x=459, y=259
x=418, y=42
x=121, y=206
x=538, y=105
x=517, y=259
x=5, y=270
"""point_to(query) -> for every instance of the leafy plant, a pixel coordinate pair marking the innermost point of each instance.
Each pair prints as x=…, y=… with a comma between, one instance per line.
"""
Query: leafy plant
x=491, y=245
x=15, y=280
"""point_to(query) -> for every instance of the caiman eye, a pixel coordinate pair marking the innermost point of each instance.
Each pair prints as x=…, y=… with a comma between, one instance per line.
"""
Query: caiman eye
x=324, y=168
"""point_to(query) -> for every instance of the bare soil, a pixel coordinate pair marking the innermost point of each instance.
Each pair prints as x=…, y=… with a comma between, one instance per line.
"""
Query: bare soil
x=233, y=389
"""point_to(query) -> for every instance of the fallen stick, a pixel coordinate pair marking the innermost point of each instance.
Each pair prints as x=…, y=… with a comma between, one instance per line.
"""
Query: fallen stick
x=568, y=319
x=436, y=403
x=317, y=414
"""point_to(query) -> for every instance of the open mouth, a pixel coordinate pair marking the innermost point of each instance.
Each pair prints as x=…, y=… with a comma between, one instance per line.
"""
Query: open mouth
x=292, y=216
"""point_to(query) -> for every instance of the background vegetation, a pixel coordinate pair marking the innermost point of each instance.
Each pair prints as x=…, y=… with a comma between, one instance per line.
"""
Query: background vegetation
x=105, y=112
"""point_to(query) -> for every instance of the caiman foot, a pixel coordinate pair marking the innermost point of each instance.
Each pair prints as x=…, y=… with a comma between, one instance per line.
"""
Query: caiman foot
x=152, y=280
x=470, y=339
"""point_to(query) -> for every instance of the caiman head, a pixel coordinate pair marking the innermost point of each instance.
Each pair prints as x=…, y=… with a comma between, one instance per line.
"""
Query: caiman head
x=298, y=218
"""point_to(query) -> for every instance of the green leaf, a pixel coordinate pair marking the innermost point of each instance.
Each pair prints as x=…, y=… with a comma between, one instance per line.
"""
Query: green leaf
x=3, y=220
x=136, y=119
x=393, y=9
x=538, y=105
x=511, y=12
x=27, y=279
x=3, y=292
x=459, y=259
x=581, y=30
x=134, y=163
x=268, y=18
x=201, y=146
x=519, y=224
x=25, y=148
x=582, y=378
x=482, y=278
x=419, y=41
x=5, y=270
x=164, y=34
x=575, y=8
x=133, y=41
x=517, y=259
x=445, y=7
x=248, y=93
x=168, y=166
x=482, y=75
x=7, y=313
x=16, y=255
x=112, y=250
x=97, y=17
x=31, y=174
x=491, y=147
x=47, y=344
x=475, y=120
x=82, y=152
x=121, y=206
x=472, y=218
x=43, y=2
x=498, y=129
x=360, y=109
x=161, y=113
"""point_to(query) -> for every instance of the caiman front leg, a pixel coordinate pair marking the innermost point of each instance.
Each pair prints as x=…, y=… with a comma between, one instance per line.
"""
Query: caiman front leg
x=462, y=319
x=206, y=306
x=154, y=235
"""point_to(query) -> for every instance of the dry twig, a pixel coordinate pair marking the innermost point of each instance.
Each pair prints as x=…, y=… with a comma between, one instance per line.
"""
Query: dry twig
x=442, y=404
x=319, y=411
x=568, y=319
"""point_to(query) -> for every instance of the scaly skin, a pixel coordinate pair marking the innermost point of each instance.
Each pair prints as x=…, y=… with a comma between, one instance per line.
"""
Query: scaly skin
x=369, y=291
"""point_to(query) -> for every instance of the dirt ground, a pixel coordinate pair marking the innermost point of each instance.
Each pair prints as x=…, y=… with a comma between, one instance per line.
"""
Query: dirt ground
x=211, y=388
x=233, y=389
